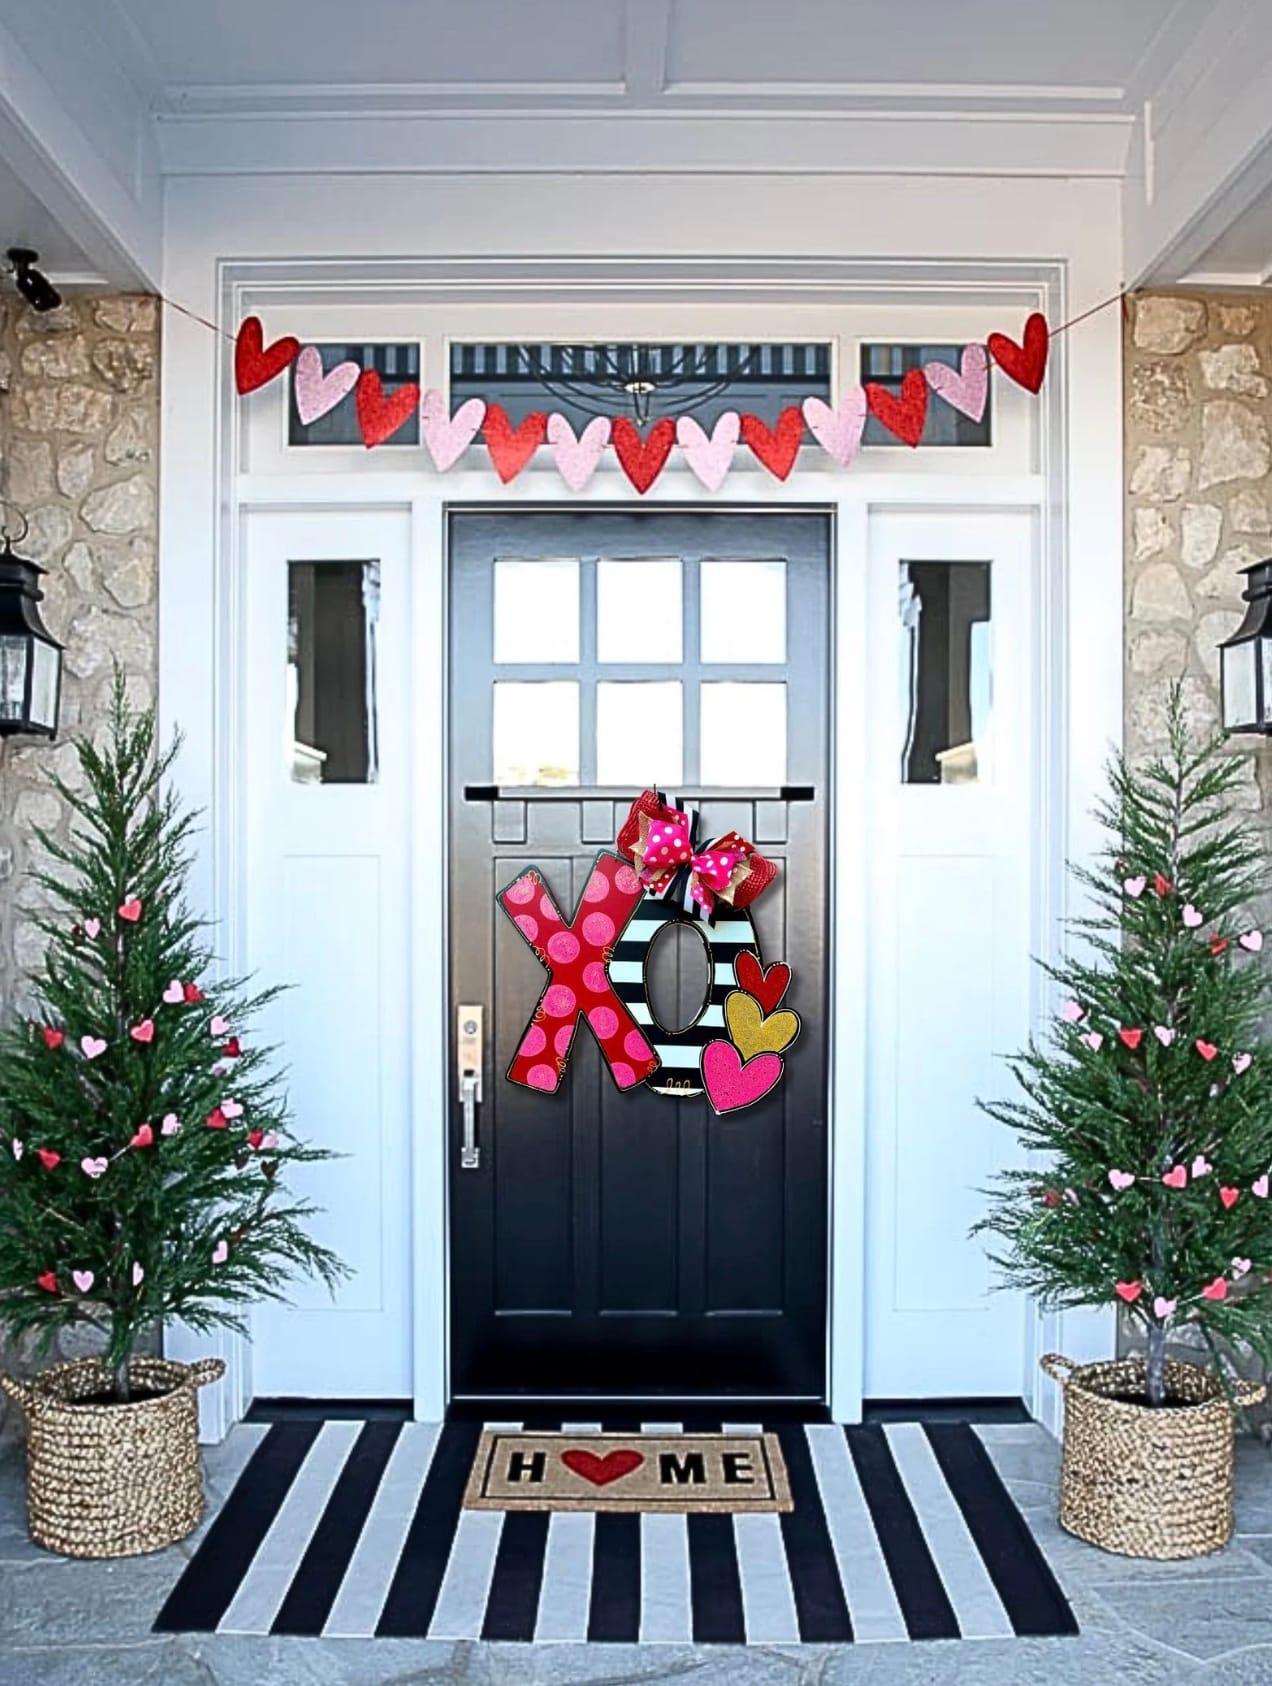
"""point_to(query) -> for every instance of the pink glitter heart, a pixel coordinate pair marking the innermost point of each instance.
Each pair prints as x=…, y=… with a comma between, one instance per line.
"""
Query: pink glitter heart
x=838, y=432
x=709, y=458
x=576, y=456
x=447, y=436
x=316, y=392
x=965, y=388
x=730, y=1084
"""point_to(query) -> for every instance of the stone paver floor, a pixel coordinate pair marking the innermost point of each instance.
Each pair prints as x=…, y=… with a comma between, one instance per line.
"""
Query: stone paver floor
x=1207, y=1622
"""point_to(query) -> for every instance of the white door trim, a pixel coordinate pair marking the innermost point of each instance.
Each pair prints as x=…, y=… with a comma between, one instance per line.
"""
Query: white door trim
x=200, y=684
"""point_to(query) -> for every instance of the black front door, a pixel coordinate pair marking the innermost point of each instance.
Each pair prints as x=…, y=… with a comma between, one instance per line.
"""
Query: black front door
x=636, y=1245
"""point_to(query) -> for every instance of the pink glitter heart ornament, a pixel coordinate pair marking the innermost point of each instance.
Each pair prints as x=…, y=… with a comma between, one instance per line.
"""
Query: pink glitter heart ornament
x=318, y=392
x=965, y=388
x=710, y=458
x=577, y=455
x=447, y=436
x=838, y=432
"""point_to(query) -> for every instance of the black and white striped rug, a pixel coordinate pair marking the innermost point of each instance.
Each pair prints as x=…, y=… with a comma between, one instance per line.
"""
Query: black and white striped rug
x=356, y=1529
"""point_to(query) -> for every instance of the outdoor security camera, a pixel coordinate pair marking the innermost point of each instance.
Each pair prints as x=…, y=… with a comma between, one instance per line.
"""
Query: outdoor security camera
x=33, y=284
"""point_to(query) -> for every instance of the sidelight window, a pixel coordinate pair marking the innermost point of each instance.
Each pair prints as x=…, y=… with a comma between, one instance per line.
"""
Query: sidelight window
x=333, y=609
x=944, y=672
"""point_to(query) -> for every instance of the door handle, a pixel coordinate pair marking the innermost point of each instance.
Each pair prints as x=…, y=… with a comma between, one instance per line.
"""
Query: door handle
x=468, y=1060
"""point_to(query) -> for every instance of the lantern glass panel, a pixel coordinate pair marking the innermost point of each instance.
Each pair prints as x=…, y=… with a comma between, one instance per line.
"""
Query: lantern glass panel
x=1240, y=705
x=1264, y=648
x=46, y=664
x=13, y=671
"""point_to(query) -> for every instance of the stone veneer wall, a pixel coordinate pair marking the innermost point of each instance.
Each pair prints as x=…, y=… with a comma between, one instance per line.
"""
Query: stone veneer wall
x=79, y=420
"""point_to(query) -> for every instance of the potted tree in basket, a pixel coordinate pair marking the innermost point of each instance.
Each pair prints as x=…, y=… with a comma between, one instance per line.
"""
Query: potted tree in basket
x=1148, y=1110
x=143, y=1154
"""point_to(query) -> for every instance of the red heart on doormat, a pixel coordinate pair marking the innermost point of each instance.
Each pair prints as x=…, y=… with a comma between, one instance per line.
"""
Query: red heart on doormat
x=255, y=363
x=380, y=416
x=776, y=447
x=905, y=415
x=642, y=459
x=601, y=1471
x=1027, y=363
x=512, y=447
x=767, y=985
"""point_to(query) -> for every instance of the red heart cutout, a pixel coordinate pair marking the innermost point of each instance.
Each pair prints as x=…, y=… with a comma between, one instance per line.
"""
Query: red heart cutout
x=512, y=447
x=1229, y=1197
x=193, y=994
x=48, y=1158
x=52, y=1038
x=1027, y=363
x=1128, y=1291
x=130, y=910
x=601, y=1471
x=1218, y=944
x=642, y=459
x=777, y=447
x=1132, y=1038
x=765, y=985
x=1176, y=1177
x=48, y=1281
x=143, y=1032
x=255, y=363
x=905, y=415
x=143, y=1136
x=1216, y=1290
x=1207, y=1050
x=232, y=1049
x=255, y=1138
x=379, y=417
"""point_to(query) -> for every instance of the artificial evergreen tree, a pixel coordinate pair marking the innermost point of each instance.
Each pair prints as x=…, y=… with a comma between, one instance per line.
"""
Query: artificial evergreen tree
x=145, y=1143
x=1147, y=1107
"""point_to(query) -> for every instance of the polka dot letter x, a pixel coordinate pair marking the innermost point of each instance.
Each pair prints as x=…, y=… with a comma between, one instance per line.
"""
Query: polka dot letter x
x=576, y=955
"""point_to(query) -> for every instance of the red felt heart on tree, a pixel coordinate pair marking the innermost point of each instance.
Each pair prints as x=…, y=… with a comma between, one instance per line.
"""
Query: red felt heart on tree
x=1128, y=1291
x=601, y=1471
x=1207, y=1050
x=1216, y=1290
x=777, y=447
x=193, y=994
x=1026, y=364
x=512, y=447
x=48, y=1158
x=48, y=1281
x=232, y=1049
x=642, y=459
x=905, y=415
x=1132, y=1038
x=255, y=363
x=143, y=1136
x=1218, y=944
x=255, y=1138
x=380, y=414
x=767, y=985
x=52, y=1038
x=1229, y=1197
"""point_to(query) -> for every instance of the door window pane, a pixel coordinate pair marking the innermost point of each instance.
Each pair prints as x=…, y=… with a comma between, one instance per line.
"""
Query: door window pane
x=536, y=610
x=945, y=679
x=639, y=732
x=639, y=611
x=743, y=733
x=332, y=612
x=743, y=612
x=536, y=732
x=395, y=364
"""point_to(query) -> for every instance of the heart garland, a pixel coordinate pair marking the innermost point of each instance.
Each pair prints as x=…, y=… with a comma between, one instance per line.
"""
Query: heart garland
x=642, y=457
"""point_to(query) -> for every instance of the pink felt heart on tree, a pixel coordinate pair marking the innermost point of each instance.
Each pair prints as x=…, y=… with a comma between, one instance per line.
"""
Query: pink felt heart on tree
x=1251, y=940
x=171, y=1125
x=83, y=1280
x=1128, y=1292
x=316, y=392
x=1259, y=1187
x=1216, y=1290
x=1135, y=887
x=447, y=436
x=711, y=457
x=576, y=455
x=1201, y=1166
x=1191, y=916
x=838, y=432
x=1242, y=1062
x=138, y=1276
x=174, y=995
x=1164, y=1034
x=1071, y=1013
x=143, y=1032
x=1121, y=1179
x=1163, y=1308
x=94, y=1167
x=232, y=1108
x=91, y=928
x=730, y=1084
x=1176, y=1177
x=217, y=1026
x=965, y=388
x=1240, y=1268
x=92, y=1046
x=220, y=1252
x=269, y=1140
x=1093, y=1040
x=18, y=1147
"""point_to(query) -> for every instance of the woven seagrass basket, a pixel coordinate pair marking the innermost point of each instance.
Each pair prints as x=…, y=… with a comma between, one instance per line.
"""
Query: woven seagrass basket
x=1147, y=1483
x=113, y=1480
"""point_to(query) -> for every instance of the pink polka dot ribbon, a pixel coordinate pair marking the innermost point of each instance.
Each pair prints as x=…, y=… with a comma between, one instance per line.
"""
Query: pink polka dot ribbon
x=579, y=985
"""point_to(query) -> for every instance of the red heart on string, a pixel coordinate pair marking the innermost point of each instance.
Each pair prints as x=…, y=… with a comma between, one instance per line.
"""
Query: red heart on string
x=601, y=1471
x=232, y=1049
x=255, y=1138
x=380, y=414
x=767, y=985
x=512, y=447
x=48, y=1158
x=143, y=1136
x=1228, y=1197
x=193, y=994
x=1128, y=1291
x=905, y=415
x=1132, y=1038
x=52, y=1038
x=1027, y=363
x=48, y=1281
x=255, y=363
x=642, y=458
x=776, y=447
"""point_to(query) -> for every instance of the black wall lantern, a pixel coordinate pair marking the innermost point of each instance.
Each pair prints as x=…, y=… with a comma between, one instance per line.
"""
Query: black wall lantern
x=30, y=657
x=1245, y=659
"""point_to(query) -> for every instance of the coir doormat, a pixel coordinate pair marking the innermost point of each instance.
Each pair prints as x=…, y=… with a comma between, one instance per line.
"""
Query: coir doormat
x=681, y=1473
x=358, y=1530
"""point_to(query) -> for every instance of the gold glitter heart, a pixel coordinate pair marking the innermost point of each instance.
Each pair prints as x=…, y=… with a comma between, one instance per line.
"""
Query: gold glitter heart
x=751, y=1032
